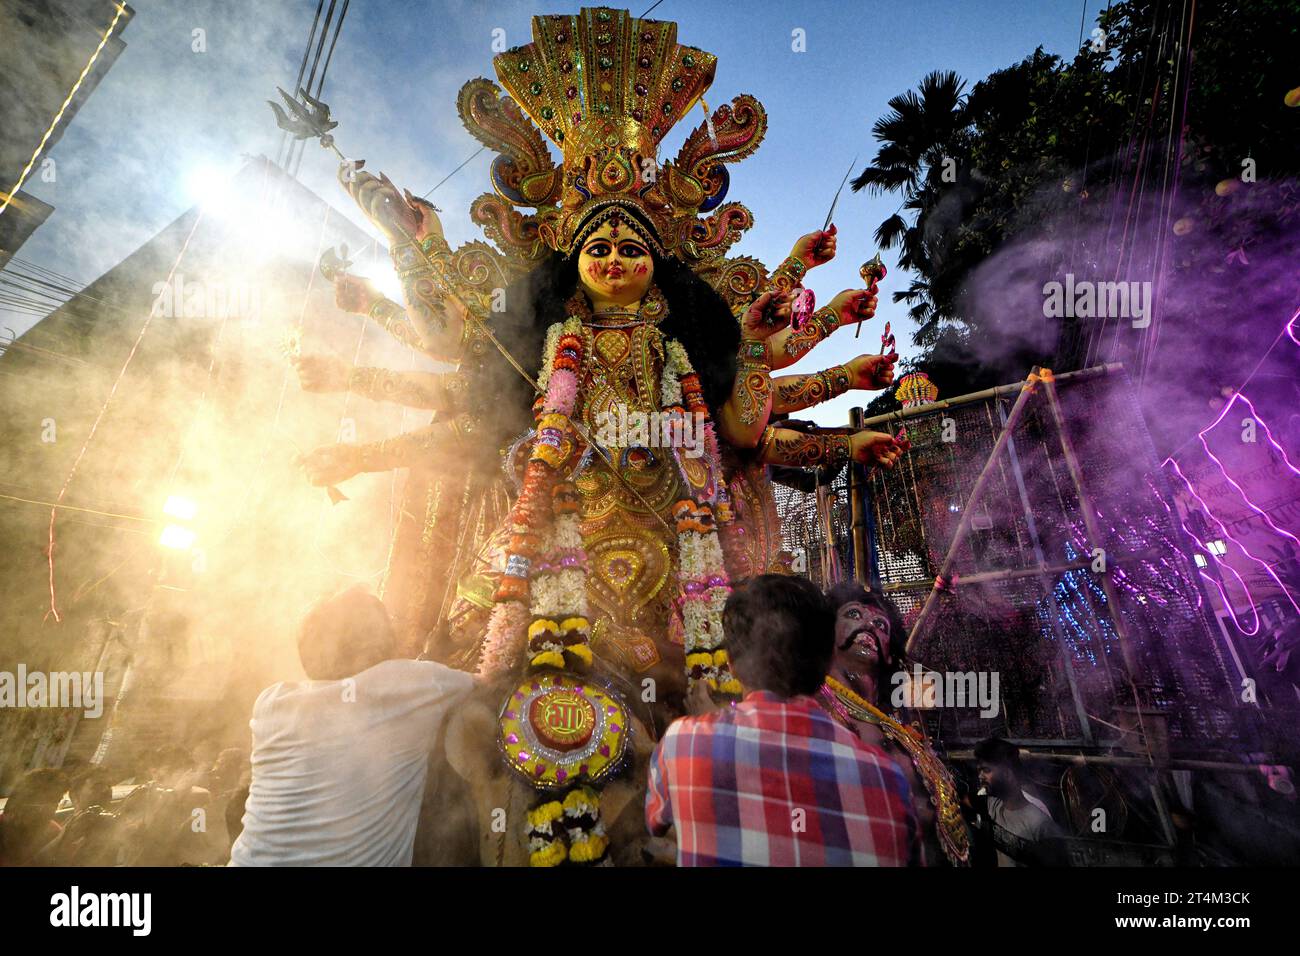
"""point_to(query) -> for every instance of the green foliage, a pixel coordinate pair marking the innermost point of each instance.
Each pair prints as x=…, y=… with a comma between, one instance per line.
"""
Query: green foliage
x=1035, y=148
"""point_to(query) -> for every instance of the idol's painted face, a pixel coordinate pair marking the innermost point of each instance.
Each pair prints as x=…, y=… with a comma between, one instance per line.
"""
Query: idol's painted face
x=614, y=264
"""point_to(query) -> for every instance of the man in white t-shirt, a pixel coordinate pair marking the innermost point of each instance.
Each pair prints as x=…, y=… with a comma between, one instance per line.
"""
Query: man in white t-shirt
x=339, y=761
x=1022, y=829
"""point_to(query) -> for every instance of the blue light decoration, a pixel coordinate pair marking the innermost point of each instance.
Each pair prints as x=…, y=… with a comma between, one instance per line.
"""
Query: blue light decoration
x=1077, y=622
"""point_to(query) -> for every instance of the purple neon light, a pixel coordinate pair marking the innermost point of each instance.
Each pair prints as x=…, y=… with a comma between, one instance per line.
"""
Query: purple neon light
x=1223, y=596
x=1268, y=568
x=1267, y=431
x=1240, y=490
x=1212, y=556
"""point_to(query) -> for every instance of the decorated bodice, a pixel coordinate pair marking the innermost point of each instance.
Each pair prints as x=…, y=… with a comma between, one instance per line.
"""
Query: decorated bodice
x=624, y=367
x=619, y=402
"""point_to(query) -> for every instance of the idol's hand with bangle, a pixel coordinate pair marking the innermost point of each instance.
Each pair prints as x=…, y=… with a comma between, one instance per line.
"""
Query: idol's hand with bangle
x=815, y=249
x=872, y=372
x=854, y=305
x=769, y=314
x=322, y=373
x=747, y=409
x=330, y=464
x=877, y=448
x=355, y=295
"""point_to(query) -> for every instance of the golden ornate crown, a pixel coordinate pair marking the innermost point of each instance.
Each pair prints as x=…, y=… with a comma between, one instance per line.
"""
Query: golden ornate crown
x=606, y=88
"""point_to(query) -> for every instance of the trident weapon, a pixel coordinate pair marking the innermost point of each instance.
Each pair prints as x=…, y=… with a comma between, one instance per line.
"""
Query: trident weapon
x=307, y=122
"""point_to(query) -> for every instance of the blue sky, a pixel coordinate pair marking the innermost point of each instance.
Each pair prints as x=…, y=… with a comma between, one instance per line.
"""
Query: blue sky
x=166, y=116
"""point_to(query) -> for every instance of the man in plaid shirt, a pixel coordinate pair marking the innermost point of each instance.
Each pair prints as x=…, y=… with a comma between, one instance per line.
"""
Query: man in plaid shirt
x=774, y=780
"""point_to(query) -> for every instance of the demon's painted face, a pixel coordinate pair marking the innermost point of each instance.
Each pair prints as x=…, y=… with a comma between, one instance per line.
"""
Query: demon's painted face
x=861, y=637
x=614, y=264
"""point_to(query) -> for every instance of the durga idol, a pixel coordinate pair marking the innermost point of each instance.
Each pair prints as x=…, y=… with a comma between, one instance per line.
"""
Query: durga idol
x=610, y=299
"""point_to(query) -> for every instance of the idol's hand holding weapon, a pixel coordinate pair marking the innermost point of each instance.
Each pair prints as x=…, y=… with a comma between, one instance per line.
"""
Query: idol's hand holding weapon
x=872, y=272
x=872, y=372
x=816, y=248
x=878, y=448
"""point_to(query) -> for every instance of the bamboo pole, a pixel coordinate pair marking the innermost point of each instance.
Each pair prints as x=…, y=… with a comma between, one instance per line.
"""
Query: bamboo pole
x=1117, y=761
x=857, y=510
x=1011, y=574
x=964, y=525
x=980, y=396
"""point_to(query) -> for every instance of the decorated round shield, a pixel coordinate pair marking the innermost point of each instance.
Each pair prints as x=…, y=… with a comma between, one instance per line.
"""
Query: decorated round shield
x=558, y=730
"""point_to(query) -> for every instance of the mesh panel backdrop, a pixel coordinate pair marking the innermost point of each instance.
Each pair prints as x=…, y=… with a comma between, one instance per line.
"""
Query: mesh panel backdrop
x=1024, y=597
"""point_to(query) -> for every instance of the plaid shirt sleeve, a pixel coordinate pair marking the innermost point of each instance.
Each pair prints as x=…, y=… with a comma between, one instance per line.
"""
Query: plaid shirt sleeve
x=658, y=807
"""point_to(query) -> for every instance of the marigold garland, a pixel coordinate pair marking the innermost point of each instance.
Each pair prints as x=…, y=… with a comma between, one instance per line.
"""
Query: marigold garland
x=545, y=829
x=701, y=568
x=544, y=576
x=575, y=819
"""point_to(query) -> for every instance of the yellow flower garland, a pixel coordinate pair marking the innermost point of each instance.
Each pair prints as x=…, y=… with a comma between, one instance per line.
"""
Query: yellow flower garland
x=538, y=817
x=552, y=855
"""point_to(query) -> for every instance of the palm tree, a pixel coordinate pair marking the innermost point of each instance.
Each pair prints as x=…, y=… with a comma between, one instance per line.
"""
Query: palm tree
x=924, y=145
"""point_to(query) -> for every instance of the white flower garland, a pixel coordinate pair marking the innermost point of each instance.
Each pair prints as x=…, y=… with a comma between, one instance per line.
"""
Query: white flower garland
x=560, y=594
x=548, y=354
x=701, y=569
x=670, y=389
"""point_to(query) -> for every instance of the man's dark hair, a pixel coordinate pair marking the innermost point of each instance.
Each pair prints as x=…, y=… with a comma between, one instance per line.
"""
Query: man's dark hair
x=345, y=635
x=999, y=753
x=854, y=592
x=780, y=632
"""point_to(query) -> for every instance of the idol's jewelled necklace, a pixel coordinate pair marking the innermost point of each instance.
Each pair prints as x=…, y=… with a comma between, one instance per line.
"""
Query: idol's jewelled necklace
x=599, y=319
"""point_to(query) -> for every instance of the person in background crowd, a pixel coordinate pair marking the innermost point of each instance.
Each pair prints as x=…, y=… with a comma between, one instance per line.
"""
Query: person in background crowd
x=774, y=780
x=229, y=771
x=235, y=817
x=870, y=638
x=1021, y=829
x=27, y=825
x=93, y=787
x=339, y=760
x=227, y=781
